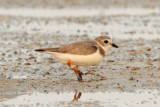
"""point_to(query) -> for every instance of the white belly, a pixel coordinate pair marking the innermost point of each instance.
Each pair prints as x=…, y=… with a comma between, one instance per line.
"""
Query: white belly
x=91, y=59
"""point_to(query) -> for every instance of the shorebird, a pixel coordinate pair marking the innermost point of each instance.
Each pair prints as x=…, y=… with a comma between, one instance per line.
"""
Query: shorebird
x=83, y=53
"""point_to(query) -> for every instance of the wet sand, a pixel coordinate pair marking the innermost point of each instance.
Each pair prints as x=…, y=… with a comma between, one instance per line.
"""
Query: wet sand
x=140, y=70
x=131, y=70
x=34, y=72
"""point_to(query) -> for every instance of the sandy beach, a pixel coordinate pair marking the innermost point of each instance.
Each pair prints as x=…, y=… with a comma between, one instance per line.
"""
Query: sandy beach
x=132, y=71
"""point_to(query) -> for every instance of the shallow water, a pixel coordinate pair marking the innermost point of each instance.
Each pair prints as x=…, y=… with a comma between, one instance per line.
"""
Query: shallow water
x=76, y=12
x=141, y=98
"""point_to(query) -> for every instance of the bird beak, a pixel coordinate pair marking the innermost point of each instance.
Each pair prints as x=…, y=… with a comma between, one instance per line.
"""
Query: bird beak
x=114, y=45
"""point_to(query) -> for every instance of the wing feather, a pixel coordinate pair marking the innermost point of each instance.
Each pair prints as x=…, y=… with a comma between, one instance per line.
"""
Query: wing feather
x=44, y=50
x=79, y=48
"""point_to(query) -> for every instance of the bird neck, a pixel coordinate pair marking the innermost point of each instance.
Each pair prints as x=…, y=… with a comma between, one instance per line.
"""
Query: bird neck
x=105, y=49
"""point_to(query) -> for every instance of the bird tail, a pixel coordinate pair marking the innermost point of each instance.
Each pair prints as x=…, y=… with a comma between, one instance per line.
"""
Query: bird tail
x=46, y=50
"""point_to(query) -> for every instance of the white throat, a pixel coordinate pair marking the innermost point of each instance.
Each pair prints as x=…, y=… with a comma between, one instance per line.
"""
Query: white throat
x=104, y=48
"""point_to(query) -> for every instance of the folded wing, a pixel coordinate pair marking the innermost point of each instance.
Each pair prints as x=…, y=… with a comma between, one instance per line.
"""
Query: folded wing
x=79, y=48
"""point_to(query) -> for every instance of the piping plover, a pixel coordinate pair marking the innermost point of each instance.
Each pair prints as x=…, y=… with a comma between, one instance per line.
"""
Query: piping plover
x=83, y=53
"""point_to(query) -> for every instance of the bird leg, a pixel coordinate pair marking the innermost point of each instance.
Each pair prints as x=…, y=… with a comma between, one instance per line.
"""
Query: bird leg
x=76, y=71
x=78, y=74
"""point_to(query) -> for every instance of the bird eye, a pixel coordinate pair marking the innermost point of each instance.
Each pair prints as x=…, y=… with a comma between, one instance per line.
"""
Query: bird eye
x=106, y=41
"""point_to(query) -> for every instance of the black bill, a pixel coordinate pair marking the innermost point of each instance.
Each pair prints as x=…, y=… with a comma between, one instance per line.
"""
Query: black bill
x=114, y=45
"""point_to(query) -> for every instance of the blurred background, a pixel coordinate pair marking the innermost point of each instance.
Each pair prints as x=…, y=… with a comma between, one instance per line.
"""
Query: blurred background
x=80, y=3
x=121, y=18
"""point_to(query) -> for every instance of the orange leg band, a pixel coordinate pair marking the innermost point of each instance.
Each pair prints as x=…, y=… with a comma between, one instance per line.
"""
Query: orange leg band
x=77, y=72
x=69, y=63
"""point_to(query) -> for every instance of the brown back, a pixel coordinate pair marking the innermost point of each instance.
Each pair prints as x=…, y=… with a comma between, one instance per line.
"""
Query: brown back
x=81, y=48
x=78, y=48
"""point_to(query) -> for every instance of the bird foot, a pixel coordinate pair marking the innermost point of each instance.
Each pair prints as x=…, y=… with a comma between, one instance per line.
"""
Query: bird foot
x=76, y=71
